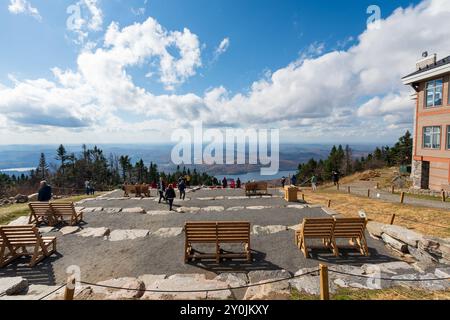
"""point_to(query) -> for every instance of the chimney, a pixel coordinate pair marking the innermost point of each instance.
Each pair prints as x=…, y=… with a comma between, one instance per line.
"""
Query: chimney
x=426, y=61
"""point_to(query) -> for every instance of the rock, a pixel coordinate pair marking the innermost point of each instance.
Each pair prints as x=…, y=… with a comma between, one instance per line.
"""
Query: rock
x=272, y=291
x=206, y=199
x=168, y=232
x=79, y=209
x=188, y=210
x=187, y=282
x=94, y=232
x=92, y=209
x=21, y=198
x=258, y=207
x=36, y=292
x=112, y=210
x=12, y=286
x=375, y=228
x=69, y=230
x=120, y=235
x=396, y=267
x=260, y=230
x=296, y=206
x=261, y=275
x=436, y=246
x=159, y=212
x=213, y=209
x=136, y=287
x=234, y=280
x=423, y=267
x=33, y=197
x=133, y=210
x=20, y=221
x=398, y=245
x=236, y=209
x=421, y=255
x=330, y=211
x=442, y=272
x=404, y=235
x=295, y=227
x=309, y=284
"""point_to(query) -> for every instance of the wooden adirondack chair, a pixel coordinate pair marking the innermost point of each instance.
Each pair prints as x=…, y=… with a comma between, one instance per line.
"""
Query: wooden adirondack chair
x=16, y=240
x=352, y=229
x=315, y=228
x=65, y=212
x=41, y=212
x=234, y=232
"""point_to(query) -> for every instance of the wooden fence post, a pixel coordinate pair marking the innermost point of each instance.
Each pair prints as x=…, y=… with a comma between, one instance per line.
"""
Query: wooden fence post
x=368, y=193
x=349, y=190
x=303, y=197
x=443, y=196
x=392, y=218
x=329, y=204
x=402, y=197
x=70, y=288
x=324, y=288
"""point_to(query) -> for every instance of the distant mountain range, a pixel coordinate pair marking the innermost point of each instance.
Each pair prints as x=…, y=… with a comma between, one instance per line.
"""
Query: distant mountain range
x=18, y=158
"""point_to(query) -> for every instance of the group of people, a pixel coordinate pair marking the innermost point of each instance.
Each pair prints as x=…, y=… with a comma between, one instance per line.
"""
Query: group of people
x=168, y=193
x=235, y=184
x=334, y=176
x=89, y=188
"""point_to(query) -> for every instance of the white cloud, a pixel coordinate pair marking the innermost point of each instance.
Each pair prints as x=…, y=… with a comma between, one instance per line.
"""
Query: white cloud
x=223, y=47
x=24, y=7
x=350, y=94
x=85, y=16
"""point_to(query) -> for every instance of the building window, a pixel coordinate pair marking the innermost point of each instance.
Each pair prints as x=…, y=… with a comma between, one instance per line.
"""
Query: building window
x=448, y=137
x=434, y=93
x=432, y=137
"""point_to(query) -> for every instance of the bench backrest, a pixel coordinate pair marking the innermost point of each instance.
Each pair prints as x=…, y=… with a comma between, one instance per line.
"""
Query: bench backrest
x=222, y=232
x=40, y=208
x=201, y=232
x=318, y=228
x=349, y=227
x=233, y=232
x=20, y=235
x=63, y=208
x=256, y=186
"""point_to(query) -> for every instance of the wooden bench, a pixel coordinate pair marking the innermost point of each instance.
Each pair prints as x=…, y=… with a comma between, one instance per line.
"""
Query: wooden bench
x=16, y=239
x=217, y=233
x=256, y=188
x=65, y=212
x=330, y=230
x=354, y=230
x=41, y=212
x=315, y=228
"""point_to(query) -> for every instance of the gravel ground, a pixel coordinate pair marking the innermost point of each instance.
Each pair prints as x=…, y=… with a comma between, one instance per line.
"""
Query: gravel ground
x=100, y=259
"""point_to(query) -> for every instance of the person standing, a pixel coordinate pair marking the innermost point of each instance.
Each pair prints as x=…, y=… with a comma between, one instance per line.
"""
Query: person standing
x=294, y=180
x=45, y=192
x=238, y=183
x=91, y=188
x=283, y=182
x=182, y=189
x=161, y=190
x=314, y=183
x=170, y=196
x=224, y=183
x=87, y=187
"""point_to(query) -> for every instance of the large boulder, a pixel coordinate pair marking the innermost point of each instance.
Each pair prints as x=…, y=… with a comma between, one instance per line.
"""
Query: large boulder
x=394, y=243
x=12, y=286
x=440, y=248
x=404, y=235
x=136, y=289
x=20, y=221
x=375, y=228
x=21, y=198
x=33, y=197
x=421, y=255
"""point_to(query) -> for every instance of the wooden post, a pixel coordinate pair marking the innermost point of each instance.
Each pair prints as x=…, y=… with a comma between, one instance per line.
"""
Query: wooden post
x=329, y=204
x=443, y=196
x=303, y=197
x=402, y=197
x=70, y=288
x=393, y=189
x=324, y=289
x=392, y=218
x=349, y=190
x=368, y=193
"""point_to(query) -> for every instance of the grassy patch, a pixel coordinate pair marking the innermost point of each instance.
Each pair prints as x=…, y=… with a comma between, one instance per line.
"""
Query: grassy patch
x=14, y=211
x=386, y=294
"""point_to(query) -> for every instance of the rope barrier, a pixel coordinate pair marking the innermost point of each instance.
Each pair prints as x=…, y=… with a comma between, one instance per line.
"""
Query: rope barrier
x=387, y=279
x=48, y=294
x=207, y=290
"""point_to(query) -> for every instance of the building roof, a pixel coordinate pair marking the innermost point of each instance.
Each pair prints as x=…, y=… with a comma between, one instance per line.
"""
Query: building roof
x=435, y=65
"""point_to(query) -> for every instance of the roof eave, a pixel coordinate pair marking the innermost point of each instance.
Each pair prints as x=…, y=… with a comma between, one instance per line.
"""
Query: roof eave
x=428, y=74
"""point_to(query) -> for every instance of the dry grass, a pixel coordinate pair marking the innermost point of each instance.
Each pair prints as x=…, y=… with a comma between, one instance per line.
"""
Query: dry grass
x=14, y=211
x=430, y=221
x=386, y=294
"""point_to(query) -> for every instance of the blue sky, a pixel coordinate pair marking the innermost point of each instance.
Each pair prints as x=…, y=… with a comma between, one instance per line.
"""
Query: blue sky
x=269, y=48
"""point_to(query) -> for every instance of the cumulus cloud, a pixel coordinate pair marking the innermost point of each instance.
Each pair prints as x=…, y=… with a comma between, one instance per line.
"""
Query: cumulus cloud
x=342, y=93
x=24, y=7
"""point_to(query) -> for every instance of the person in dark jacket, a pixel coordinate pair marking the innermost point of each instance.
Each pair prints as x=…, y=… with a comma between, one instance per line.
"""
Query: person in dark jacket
x=182, y=189
x=283, y=182
x=224, y=183
x=161, y=190
x=45, y=192
x=238, y=183
x=170, y=196
x=294, y=180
